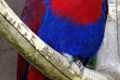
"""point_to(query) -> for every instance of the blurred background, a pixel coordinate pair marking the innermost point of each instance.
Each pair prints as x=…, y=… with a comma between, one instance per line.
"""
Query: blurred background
x=8, y=55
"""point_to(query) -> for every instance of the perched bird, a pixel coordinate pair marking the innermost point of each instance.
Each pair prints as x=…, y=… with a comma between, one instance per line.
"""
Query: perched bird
x=75, y=28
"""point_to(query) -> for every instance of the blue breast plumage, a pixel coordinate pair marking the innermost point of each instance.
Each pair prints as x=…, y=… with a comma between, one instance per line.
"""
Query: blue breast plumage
x=79, y=40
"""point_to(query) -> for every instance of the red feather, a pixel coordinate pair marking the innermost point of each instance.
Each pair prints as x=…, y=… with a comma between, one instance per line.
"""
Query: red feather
x=32, y=15
x=21, y=64
x=80, y=11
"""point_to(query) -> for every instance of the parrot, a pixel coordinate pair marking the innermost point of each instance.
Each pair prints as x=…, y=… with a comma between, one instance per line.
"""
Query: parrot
x=74, y=28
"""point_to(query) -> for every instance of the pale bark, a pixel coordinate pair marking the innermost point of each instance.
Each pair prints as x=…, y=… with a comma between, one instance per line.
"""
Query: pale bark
x=44, y=58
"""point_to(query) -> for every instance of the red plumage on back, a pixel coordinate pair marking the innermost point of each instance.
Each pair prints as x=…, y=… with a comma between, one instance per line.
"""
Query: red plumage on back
x=34, y=74
x=21, y=64
x=80, y=11
x=32, y=15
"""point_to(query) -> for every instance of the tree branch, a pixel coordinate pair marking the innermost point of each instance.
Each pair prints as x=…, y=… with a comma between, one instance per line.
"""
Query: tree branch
x=43, y=57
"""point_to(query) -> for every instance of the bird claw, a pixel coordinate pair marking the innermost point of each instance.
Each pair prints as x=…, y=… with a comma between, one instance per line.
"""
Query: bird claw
x=79, y=63
x=69, y=58
x=71, y=62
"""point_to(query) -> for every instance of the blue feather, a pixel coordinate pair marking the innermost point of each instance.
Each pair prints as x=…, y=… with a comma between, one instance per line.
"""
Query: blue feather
x=78, y=40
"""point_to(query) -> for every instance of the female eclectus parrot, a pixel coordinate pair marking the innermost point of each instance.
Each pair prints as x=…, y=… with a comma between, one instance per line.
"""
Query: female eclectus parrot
x=74, y=28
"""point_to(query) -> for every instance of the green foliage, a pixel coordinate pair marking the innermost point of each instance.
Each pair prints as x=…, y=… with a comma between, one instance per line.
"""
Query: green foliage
x=92, y=64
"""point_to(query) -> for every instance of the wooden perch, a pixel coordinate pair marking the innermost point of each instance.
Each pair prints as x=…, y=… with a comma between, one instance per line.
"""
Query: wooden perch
x=43, y=57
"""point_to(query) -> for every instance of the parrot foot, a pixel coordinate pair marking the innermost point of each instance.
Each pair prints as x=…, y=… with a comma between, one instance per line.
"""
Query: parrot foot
x=79, y=63
x=69, y=57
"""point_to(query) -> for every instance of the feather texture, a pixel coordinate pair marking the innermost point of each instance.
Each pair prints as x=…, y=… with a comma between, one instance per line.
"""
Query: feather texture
x=80, y=11
x=62, y=34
